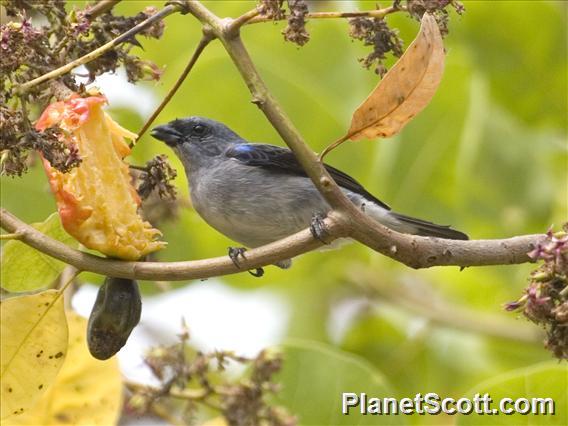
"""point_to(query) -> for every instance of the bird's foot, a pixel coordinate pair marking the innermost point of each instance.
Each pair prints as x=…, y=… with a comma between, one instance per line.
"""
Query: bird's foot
x=258, y=272
x=284, y=264
x=235, y=253
x=318, y=228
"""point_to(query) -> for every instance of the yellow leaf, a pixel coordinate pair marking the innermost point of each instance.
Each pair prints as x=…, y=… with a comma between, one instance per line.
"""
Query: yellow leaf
x=86, y=391
x=217, y=421
x=405, y=90
x=33, y=348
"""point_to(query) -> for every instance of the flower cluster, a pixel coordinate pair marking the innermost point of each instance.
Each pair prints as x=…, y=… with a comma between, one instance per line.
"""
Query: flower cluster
x=376, y=33
x=417, y=8
x=157, y=175
x=545, y=301
x=295, y=31
x=198, y=378
x=29, y=50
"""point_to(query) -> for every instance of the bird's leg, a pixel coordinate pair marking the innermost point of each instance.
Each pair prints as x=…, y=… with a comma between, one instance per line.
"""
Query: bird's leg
x=235, y=252
x=318, y=227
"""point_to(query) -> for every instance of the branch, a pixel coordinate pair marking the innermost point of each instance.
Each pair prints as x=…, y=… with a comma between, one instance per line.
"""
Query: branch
x=186, y=393
x=99, y=8
x=423, y=252
x=465, y=253
x=445, y=314
x=286, y=248
x=12, y=236
x=168, y=10
x=198, y=50
x=377, y=13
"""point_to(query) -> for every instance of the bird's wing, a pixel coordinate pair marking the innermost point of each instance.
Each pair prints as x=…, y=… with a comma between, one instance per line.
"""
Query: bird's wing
x=282, y=160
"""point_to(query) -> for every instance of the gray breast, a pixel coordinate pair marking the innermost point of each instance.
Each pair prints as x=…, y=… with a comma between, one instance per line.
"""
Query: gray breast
x=251, y=205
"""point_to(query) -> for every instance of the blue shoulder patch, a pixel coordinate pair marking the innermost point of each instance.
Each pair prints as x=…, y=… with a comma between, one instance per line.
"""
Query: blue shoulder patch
x=245, y=147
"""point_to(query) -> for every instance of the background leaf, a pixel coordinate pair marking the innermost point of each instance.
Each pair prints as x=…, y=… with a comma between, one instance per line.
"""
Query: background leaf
x=87, y=391
x=548, y=380
x=314, y=377
x=406, y=89
x=23, y=268
x=33, y=348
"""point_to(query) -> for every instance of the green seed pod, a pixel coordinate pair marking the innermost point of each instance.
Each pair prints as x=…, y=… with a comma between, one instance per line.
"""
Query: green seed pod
x=115, y=313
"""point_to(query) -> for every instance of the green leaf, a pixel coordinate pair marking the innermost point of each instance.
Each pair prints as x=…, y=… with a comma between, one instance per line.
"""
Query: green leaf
x=315, y=376
x=33, y=348
x=24, y=268
x=547, y=380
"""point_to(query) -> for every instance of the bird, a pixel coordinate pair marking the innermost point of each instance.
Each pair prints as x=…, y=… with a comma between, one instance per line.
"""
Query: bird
x=257, y=193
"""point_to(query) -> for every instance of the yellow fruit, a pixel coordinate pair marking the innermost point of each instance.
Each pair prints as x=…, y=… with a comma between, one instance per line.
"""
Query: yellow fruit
x=97, y=202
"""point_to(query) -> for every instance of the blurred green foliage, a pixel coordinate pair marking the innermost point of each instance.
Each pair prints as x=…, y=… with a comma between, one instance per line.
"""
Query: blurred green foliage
x=24, y=269
x=488, y=156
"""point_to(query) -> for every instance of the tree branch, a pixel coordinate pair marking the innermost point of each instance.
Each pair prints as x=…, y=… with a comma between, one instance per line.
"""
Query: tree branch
x=203, y=42
x=377, y=13
x=286, y=248
x=463, y=253
x=445, y=314
x=12, y=236
x=99, y=8
x=423, y=252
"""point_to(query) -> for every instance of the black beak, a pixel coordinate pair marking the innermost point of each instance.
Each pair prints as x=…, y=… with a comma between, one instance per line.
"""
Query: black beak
x=166, y=133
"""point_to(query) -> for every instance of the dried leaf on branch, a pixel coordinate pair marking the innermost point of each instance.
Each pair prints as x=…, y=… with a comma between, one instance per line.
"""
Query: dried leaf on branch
x=405, y=90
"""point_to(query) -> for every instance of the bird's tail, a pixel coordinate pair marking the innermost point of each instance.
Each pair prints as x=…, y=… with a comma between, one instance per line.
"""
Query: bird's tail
x=415, y=226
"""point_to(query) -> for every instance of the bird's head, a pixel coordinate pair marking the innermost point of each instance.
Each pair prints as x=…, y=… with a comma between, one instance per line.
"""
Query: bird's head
x=196, y=136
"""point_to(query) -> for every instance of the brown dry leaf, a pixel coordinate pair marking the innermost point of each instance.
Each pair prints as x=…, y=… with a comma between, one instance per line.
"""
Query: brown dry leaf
x=86, y=391
x=405, y=90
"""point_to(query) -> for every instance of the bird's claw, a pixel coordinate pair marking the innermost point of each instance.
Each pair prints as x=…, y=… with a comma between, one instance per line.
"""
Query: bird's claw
x=318, y=228
x=258, y=272
x=235, y=253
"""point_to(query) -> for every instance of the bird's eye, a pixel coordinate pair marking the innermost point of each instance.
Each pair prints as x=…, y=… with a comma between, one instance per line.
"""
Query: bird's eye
x=198, y=129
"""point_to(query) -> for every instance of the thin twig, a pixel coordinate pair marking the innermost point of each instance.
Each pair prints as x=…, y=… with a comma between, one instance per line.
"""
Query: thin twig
x=168, y=10
x=205, y=40
x=12, y=236
x=245, y=18
x=444, y=314
x=378, y=13
x=196, y=395
x=332, y=146
x=164, y=412
x=99, y=8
